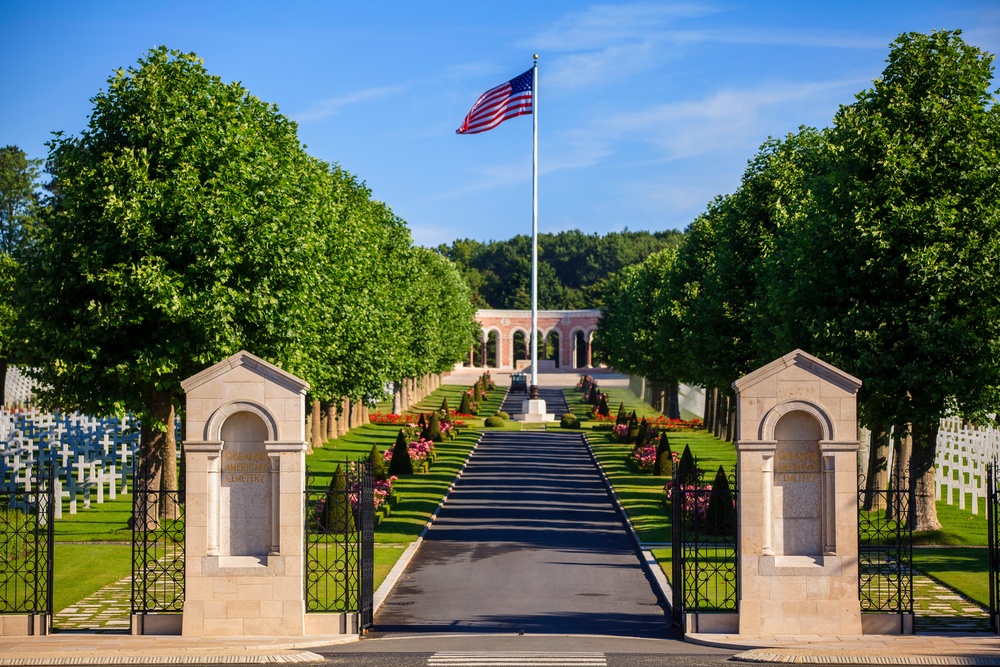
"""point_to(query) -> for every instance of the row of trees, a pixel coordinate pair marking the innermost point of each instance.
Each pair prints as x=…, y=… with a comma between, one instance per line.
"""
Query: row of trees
x=187, y=222
x=874, y=244
x=573, y=267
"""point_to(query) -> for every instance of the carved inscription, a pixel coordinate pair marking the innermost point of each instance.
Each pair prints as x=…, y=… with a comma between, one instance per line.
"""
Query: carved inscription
x=244, y=466
x=792, y=466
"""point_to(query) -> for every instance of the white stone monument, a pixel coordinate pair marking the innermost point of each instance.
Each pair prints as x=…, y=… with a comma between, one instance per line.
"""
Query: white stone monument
x=245, y=474
x=797, y=442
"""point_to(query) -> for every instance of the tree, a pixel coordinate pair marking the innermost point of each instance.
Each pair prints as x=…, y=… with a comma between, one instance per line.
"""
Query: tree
x=894, y=264
x=19, y=208
x=181, y=230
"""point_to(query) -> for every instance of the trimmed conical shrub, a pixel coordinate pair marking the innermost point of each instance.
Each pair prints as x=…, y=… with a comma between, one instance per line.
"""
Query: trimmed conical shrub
x=585, y=386
x=720, y=518
x=687, y=471
x=465, y=407
x=477, y=393
x=633, y=429
x=664, y=458
x=401, y=463
x=444, y=407
x=594, y=397
x=378, y=463
x=338, y=517
x=602, y=407
x=643, y=435
x=434, y=428
x=622, y=417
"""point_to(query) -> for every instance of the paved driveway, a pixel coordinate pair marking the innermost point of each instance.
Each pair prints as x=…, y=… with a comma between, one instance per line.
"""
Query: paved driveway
x=528, y=541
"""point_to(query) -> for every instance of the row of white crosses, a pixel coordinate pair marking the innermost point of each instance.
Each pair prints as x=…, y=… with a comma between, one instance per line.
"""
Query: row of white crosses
x=961, y=458
x=90, y=455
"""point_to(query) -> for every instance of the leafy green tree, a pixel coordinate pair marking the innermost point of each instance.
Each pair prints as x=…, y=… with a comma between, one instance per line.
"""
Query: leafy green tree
x=19, y=208
x=904, y=246
x=182, y=229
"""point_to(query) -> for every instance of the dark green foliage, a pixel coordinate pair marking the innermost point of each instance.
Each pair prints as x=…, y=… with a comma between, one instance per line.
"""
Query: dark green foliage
x=586, y=385
x=378, y=463
x=622, y=417
x=434, y=428
x=477, y=393
x=720, y=518
x=444, y=407
x=337, y=514
x=643, y=435
x=569, y=420
x=465, y=407
x=633, y=429
x=687, y=470
x=664, y=457
x=494, y=421
x=401, y=463
x=602, y=406
x=594, y=396
x=572, y=266
x=503, y=415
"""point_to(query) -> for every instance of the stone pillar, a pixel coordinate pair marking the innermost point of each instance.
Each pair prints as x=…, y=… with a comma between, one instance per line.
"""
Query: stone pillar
x=244, y=450
x=796, y=444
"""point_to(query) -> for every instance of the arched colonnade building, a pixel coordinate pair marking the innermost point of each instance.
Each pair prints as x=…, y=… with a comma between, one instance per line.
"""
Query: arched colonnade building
x=565, y=339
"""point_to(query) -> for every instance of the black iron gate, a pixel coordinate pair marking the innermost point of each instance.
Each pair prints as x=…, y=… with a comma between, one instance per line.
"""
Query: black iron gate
x=885, y=549
x=340, y=540
x=157, y=550
x=26, y=542
x=993, y=531
x=704, y=565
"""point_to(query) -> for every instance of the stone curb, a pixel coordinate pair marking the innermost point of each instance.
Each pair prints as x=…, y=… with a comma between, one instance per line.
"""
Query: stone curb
x=790, y=657
x=192, y=659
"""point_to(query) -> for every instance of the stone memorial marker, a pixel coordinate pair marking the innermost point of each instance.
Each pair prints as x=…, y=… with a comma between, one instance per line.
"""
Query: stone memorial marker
x=796, y=443
x=245, y=471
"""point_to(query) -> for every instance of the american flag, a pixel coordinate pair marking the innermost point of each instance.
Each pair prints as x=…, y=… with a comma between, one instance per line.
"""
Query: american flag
x=496, y=105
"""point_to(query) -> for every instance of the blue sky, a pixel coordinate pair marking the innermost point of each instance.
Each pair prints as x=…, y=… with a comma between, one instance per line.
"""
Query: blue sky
x=646, y=110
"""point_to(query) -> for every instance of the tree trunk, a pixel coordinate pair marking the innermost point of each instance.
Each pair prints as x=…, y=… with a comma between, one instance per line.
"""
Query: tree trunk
x=331, y=421
x=315, y=434
x=3, y=380
x=397, y=398
x=157, y=450
x=902, y=447
x=730, y=418
x=922, y=473
x=710, y=394
x=876, y=477
x=673, y=400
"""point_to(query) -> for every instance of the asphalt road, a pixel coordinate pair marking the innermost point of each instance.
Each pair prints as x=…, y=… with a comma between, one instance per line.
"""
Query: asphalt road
x=529, y=541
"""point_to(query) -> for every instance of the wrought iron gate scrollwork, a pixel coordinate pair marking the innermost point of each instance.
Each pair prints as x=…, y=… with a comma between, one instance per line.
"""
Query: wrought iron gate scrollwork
x=885, y=547
x=157, y=548
x=340, y=536
x=26, y=542
x=705, y=564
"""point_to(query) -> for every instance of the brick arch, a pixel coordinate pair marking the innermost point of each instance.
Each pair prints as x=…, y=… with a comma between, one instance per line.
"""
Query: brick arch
x=564, y=322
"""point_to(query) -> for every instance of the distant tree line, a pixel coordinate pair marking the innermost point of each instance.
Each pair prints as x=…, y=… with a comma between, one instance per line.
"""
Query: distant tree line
x=187, y=222
x=873, y=244
x=573, y=267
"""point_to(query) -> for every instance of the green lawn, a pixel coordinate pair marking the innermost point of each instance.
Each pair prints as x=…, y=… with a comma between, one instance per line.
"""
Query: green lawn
x=82, y=569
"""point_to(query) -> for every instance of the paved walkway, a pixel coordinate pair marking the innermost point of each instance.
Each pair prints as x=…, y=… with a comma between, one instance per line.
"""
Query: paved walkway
x=529, y=541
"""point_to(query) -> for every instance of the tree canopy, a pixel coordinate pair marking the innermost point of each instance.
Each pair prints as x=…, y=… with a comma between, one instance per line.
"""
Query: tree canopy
x=874, y=244
x=187, y=222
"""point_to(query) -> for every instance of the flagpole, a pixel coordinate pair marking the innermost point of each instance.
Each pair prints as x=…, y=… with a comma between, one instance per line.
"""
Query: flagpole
x=534, y=229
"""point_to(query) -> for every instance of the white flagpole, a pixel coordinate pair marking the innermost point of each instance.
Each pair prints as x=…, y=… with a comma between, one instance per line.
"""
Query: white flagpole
x=534, y=230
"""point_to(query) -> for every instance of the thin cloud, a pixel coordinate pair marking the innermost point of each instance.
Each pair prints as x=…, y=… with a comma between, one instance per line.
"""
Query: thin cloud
x=329, y=107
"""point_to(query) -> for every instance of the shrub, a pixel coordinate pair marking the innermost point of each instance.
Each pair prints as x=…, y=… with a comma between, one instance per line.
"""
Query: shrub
x=378, y=464
x=466, y=406
x=569, y=420
x=494, y=421
x=503, y=415
x=687, y=471
x=602, y=406
x=444, y=407
x=594, y=397
x=337, y=515
x=477, y=393
x=434, y=428
x=720, y=518
x=664, y=458
x=622, y=417
x=400, y=463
